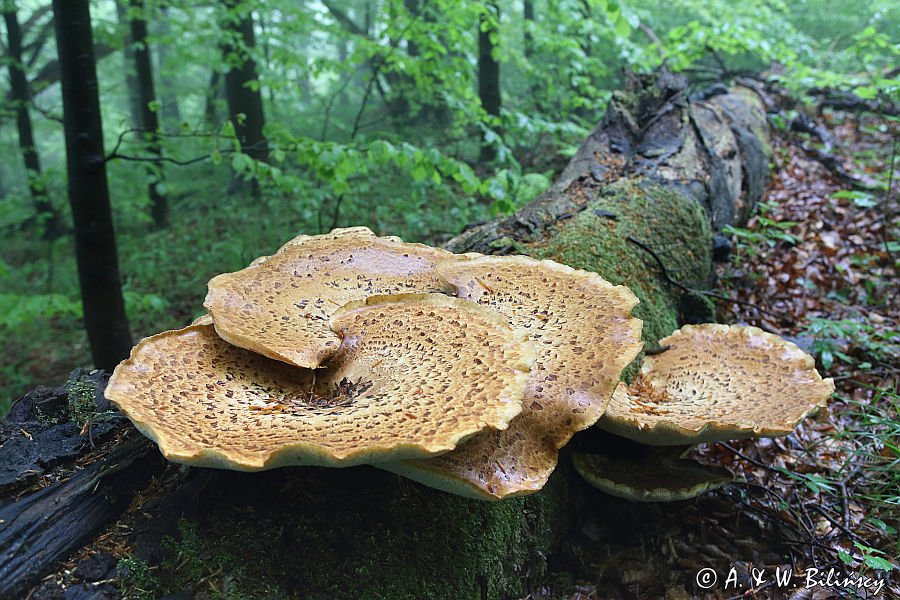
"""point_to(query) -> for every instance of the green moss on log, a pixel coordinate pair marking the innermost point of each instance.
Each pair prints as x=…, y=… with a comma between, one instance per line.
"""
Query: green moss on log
x=672, y=224
x=363, y=533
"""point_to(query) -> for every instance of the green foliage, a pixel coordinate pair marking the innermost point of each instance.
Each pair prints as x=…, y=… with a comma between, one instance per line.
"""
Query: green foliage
x=809, y=42
x=18, y=309
x=869, y=557
x=874, y=440
x=136, y=579
x=833, y=339
x=511, y=191
x=860, y=199
x=767, y=232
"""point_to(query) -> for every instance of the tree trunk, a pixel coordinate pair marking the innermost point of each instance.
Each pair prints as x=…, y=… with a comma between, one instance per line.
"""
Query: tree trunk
x=95, y=241
x=47, y=217
x=528, y=18
x=242, y=82
x=489, y=75
x=128, y=64
x=412, y=7
x=267, y=57
x=213, y=92
x=169, y=107
x=149, y=123
x=660, y=169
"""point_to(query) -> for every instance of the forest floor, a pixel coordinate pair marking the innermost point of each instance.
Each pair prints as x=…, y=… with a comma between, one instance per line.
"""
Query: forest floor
x=819, y=266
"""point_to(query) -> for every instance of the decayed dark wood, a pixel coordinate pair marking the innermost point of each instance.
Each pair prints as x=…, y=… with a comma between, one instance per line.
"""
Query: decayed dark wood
x=37, y=435
x=41, y=528
x=28, y=455
x=711, y=146
x=848, y=101
x=61, y=481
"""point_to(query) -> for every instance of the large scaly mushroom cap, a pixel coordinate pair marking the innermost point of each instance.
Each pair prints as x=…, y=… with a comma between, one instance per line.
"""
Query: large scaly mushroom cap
x=653, y=477
x=718, y=382
x=584, y=335
x=280, y=305
x=413, y=379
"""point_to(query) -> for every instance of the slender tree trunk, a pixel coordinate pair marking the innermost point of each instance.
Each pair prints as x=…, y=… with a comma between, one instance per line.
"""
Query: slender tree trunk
x=213, y=92
x=242, y=81
x=343, y=49
x=489, y=74
x=267, y=57
x=528, y=16
x=95, y=241
x=159, y=206
x=47, y=216
x=168, y=98
x=131, y=81
x=412, y=7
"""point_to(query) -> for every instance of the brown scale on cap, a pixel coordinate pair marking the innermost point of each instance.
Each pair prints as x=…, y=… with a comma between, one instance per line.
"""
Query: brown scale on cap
x=414, y=378
x=280, y=305
x=652, y=477
x=718, y=382
x=584, y=335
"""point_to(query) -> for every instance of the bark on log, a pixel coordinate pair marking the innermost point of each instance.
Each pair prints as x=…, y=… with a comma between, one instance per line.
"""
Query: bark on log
x=47, y=511
x=661, y=169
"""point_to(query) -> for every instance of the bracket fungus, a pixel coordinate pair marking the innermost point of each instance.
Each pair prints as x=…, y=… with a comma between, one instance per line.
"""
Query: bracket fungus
x=280, y=305
x=584, y=335
x=717, y=382
x=415, y=376
x=466, y=373
x=653, y=477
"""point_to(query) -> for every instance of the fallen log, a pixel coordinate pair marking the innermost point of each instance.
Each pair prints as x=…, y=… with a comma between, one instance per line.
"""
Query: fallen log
x=639, y=204
x=43, y=527
x=52, y=498
x=844, y=100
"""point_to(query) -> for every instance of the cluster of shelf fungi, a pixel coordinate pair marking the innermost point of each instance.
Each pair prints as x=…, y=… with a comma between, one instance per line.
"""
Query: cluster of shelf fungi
x=463, y=372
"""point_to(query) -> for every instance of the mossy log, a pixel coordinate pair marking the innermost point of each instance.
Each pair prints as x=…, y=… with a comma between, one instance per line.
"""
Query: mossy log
x=663, y=172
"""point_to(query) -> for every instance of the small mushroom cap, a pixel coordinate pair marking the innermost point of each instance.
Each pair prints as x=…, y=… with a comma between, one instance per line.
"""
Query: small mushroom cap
x=717, y=382
x=650, y=478
x=584, y=335
x=413, y=379
x=280, y=305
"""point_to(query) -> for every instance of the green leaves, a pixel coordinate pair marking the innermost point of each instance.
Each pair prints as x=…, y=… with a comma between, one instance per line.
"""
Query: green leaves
x=868, y=556
x=19, y=309
x=843, y=339
x=860, y=199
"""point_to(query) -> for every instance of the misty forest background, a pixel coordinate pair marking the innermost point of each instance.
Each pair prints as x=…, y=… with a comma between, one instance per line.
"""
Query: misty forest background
x=233, y=126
